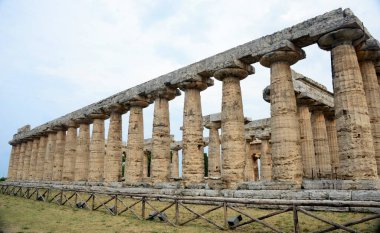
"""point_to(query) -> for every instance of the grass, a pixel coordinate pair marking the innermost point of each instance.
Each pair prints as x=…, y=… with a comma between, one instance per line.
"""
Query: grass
x=22, y=215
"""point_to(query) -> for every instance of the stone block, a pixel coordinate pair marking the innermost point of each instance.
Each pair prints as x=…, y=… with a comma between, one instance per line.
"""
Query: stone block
x=366, y=195
x=318, y=194
x=340, y=195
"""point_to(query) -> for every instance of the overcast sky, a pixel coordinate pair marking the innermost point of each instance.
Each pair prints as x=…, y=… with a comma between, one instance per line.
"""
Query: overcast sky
x=59, y=56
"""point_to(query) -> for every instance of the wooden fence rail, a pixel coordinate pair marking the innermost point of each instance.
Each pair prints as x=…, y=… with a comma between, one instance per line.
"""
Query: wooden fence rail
x=117, y=204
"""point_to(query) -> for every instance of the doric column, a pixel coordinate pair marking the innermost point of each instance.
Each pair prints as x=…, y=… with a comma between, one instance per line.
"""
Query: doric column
x=249, y=173
x=355, y=143
x=15, y=162
x=112, y=163
x=58, y=154
x=306, y=142
x=255, y=168
x=192, y=133
x=286, y=158
x=321, y=145
x=82, y=159
x=145, y=164
x=232, y=128
x=25, y=167
x=33, y=159
x=265, y=161
x=372, y=93
x=49, y=156
x=68, y=172
x=97, y=149
x=175, y=163
x=135, y=144
x=160, y=163
x=41, y=157
x=21, y=160
x=11, y=162
x=333, y=144
x=214, y=159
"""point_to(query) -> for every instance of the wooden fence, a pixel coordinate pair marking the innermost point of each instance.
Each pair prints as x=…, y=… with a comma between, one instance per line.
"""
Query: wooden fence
x=121, y=203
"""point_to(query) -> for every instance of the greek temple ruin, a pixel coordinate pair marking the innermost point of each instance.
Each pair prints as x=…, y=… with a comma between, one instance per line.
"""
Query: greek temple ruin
x=314, y=139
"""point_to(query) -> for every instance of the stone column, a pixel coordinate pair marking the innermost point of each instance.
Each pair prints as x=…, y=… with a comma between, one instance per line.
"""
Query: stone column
x=97, y=149
x=145, y=163
x=15, y=160
x=249, y=173
x=355, y=142
x=58, y=154
x=306, y=142
x=135, y=144
x=21, y=161
x=214, y=159
x=232, y=128
x=11, y=162
x=68, y=172
x=28, y=152
x=82, y=159
x=175, y=164
x=321, y=145
x=33, y=159
x=286, y=158
x=41, y=158
x=192, y=134
x=112, y=163
x=160, y=163
x=255, y=169
x=372, y=93
x=265, y=161
x=49, y=156
x=333, y=145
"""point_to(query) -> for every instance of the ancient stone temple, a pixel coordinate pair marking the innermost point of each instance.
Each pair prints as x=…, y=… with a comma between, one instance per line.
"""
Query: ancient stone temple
x=314, y=139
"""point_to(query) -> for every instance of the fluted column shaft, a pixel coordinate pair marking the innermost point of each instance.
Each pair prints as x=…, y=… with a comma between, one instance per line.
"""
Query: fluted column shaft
x=49, y=156
x=249, y=173
x=33, y=159
x=41, y=158
x=355, y=142
x=286, y=158
x=21, y=161
x=175, y=164
x=265, y=161
x=192, y=135
x=372, y=93
x=160, y=162
x=214, y=160
x=322, y=151
x=82, y=152
x=11, y=161
x=97, y=151
x=232, y=128
x=112, y=163
x=58, y=155
x=68, y=172
x=25, y=167
x=15, y=162
x=135, y=145
x=333, y=145
x=306, y=142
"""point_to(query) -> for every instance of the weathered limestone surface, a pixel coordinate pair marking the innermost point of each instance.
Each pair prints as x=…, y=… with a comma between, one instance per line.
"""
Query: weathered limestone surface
x=265, y=161
x=27, y=154
x=160, y=163
x=355, y=143
x=97, y=150
x=11, y=162
x=321, y=145
x=135, y=152
x=333, y=144
x=68, y=172
x=33, y=159
x=192, y=134
x=41, y=158
x=82, y=159
x=306, y=142
x=49, y=156
x=112, y=163
x=16, y=162
x=249, y=173
x=302, y=34
x=58, y=155
x=175, y=164
x=372, y=93
x=214, y=160
x=286, y=158
x=232, y=127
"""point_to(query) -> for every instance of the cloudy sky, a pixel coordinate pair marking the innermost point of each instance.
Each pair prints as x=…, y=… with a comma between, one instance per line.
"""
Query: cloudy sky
x=58, y=56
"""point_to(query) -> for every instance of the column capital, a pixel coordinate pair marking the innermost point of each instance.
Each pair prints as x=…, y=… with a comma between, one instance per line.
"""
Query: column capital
x=198, y=82
x=116, y=108
x=213, y=125
x=239, y=73
x=71, y=124
x=139, y=101
x=168, y=93
x=352, y=36
x=289, y=56
x=83, y=120
x=101, y=116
